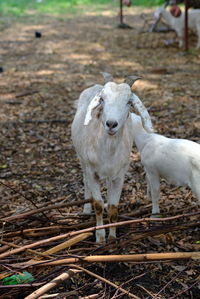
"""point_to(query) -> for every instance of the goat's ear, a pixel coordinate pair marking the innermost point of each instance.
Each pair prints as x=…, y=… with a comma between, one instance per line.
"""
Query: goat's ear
x=142, y=111
x=131, y=79
x=95, y=102
x=107, y=77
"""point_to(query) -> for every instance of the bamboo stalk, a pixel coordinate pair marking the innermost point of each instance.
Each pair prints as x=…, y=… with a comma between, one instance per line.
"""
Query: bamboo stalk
x=116, y=258
x=53, y=283
x=68, y=243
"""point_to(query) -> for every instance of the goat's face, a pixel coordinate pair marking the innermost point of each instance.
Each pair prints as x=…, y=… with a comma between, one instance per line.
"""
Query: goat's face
x=112, y=105
x=115, y=101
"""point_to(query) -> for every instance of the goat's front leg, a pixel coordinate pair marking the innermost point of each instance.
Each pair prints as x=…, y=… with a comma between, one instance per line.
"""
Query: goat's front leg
x=98, y=204
x=198, y=34
x=148, y=188
x=153, y=187
x=180, y=36
x=113, y=197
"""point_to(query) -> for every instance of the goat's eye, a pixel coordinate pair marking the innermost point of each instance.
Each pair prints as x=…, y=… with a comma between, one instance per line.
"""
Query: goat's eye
x=101, y=100
x=129, y=102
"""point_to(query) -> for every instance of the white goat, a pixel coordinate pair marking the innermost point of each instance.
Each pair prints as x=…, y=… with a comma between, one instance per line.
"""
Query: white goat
x=102, y=136
x=175, y=160
x=178, y=23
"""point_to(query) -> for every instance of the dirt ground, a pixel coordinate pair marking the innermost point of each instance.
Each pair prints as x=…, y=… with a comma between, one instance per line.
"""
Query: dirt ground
x=41, y=80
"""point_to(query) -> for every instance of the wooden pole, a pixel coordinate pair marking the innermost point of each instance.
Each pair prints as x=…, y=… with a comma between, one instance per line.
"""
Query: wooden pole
x=121, y=12
x=186, y=26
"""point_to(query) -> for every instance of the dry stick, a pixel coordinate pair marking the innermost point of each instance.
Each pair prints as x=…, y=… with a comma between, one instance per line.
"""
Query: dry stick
x=53, y=283
x=168, y=283
x=106, y=281
x=93, y=296
x=68, y=243
x=7, y=245
x=17, y=246
x=184, y=290
x=47, y=208
x=161, y=230
x=117, y=258
x=91, y=229
x=45, y=254
x=29, y=231
x=65, y=295
x=147, y=291
x=26, y=93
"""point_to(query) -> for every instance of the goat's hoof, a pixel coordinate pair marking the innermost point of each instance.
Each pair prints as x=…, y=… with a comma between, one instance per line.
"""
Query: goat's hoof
x=111, y=238
x=156, y=215
x=87, y=209
x=100, y=236
x=100, y=240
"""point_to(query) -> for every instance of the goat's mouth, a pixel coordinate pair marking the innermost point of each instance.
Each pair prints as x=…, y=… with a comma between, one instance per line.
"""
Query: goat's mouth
x=111, y=132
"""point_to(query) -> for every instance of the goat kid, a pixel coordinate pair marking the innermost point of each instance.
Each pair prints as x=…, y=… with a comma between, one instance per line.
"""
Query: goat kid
x=178, y=23
x=175, y=160
x=102, y=136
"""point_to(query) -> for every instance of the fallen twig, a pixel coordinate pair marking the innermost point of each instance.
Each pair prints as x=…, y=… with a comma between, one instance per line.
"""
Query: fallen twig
x=93, y=296
x=26, y=93
x=53, y=283
x=7, y=253
x=47, y=208
x=106, y=281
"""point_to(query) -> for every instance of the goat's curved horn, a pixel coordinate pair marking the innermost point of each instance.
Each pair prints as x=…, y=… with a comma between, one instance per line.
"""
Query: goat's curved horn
x=107, y=77
x=131, y=79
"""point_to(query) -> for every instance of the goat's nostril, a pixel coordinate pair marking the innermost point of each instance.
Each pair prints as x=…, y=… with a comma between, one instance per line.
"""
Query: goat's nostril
x=111, y=124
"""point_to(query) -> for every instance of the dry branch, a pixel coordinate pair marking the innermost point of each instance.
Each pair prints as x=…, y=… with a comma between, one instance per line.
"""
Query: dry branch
x=106, y=281
x=7, y=253
x=31, y=231
x=53, y=283
x=46, y=253
x=47, y=208
x=26, y=93
x=116, y=258
x=162, y=230
x=91, y=229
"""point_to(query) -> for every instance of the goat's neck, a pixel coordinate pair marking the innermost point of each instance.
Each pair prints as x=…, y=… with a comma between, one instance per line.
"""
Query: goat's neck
x=140, y=137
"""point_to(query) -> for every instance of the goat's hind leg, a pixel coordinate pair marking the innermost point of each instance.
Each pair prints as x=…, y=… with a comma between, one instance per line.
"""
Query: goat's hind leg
x=195, y=186
x=153, y=182
x=198, y=36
